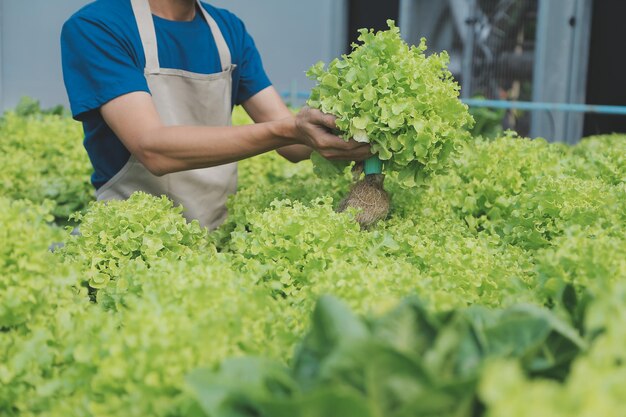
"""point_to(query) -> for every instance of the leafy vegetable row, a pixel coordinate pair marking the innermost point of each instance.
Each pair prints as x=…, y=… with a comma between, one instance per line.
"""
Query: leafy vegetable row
x=127, y=317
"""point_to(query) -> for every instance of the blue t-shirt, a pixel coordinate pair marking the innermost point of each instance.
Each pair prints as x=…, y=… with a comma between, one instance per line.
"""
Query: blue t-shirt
x=103, y=59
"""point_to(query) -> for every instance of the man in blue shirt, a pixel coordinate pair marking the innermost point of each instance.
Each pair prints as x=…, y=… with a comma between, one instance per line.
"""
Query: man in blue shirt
x=154, y=82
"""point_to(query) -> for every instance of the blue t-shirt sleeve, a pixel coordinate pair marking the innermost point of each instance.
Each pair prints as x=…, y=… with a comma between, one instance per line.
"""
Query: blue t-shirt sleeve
x=252, y=74
x=97, y=66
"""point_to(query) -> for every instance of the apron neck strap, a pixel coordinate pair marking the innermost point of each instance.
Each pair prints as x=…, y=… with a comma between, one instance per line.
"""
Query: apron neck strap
x=220, y=42
x=145, y=23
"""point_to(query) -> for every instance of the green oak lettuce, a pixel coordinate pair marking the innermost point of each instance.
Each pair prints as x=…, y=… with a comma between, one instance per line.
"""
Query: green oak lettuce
x=398, y=99
x=141, y=229
x=42, y=159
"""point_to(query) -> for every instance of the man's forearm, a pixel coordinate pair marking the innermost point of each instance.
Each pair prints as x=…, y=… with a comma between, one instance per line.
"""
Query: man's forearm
x=267, y=106
x=167, y=149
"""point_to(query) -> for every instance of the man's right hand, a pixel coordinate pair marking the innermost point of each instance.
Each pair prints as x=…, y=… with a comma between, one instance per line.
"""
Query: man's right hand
x=315, y=129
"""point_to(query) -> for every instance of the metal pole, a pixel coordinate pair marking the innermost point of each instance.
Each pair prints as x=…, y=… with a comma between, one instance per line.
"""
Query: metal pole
x=577, y=88
x=468, y=51
x=405, y=19
x=540, y=65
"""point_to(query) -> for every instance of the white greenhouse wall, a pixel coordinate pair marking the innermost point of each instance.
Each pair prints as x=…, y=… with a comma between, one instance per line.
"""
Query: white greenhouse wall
x=290, y=34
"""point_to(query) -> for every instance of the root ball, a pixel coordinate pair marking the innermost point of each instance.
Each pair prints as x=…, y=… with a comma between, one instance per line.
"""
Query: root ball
x=370, y=198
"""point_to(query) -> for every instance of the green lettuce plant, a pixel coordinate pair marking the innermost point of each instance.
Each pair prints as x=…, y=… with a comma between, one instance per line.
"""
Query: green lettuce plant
x=398, y=99
x=141, y=229
x=42, y=158
x=407, y=362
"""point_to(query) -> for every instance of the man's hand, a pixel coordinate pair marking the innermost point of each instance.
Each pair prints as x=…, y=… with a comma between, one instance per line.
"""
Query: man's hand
x=315, y=129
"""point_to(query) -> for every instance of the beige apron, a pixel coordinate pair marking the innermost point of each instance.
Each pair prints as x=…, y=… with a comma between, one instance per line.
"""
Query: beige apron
x=183, y=98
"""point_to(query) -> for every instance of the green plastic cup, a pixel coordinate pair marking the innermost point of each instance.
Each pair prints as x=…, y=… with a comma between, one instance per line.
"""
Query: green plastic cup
x=373, y=165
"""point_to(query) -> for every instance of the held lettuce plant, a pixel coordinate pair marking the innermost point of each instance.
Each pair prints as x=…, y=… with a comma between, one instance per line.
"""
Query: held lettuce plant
x=395, y=97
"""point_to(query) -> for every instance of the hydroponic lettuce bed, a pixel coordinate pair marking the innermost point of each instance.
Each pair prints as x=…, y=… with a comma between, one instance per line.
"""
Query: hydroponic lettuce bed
x=497, y=289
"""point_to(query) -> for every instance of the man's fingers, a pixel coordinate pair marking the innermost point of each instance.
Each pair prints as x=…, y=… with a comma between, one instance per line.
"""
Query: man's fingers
x=363, y=155
x=353, y=144
x=327, y=140
x=349, y=147
x=327, y=120
x=341, y=144
x=322, y=119
x=359, y=154
x=330, y=145
x=330, y=121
